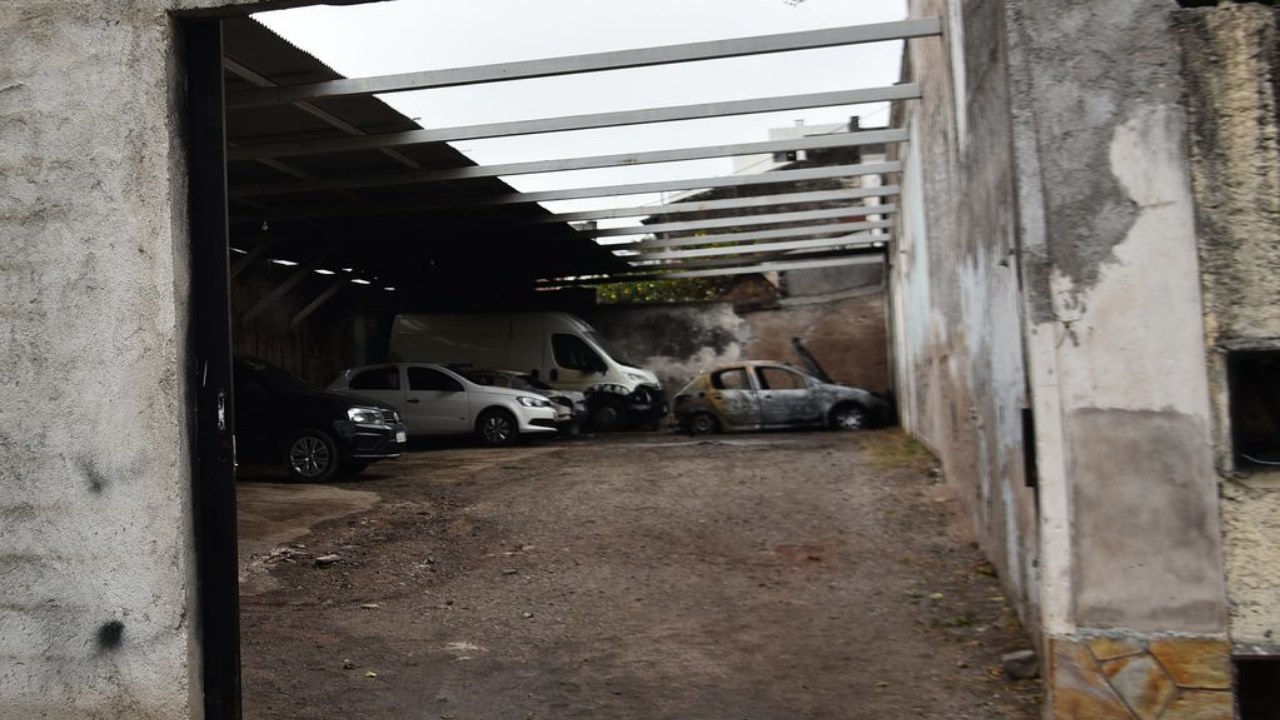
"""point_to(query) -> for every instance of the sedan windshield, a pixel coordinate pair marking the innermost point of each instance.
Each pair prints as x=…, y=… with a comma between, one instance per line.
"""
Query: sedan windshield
x=272, y=375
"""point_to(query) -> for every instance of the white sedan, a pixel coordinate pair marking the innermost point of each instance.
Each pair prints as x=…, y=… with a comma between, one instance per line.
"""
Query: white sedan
x=437, y=400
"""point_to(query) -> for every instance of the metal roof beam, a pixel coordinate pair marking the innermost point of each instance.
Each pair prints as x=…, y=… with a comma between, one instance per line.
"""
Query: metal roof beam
x=745, y=259
x=250, y=257
x=774, y=178
x=794, y=232
x=778, y=266
x=320, y=300
x=579, y=122
x=739, y=220
x=697, y=206
x=857, y=240
x=280, y=291
x=246, y=73
x=664, y=273
x=595, y=62
x=822, y=142
x=780, y=177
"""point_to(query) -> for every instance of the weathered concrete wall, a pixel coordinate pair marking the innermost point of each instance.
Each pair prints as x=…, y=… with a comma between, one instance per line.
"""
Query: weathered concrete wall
x=1232, y=58
x=96, y=566
x=96, y=570
x=832, y=281
x=958, y=343
x=847, y=337
x=1130, y=535
x=1047, y=257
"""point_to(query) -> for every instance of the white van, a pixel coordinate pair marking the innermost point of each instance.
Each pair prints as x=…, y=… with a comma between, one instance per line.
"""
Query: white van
x=557, y=348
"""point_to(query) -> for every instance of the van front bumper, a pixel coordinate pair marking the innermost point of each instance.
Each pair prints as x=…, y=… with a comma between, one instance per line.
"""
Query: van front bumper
x=647, y=403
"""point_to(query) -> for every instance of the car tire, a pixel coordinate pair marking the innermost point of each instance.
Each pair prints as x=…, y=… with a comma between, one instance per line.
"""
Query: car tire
x=848, y=417
x=704, y=424
x=312, y=456
x=497, y=428
x=608, y=415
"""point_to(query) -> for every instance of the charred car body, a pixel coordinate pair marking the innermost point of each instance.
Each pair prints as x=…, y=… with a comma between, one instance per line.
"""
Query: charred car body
x=771, y=395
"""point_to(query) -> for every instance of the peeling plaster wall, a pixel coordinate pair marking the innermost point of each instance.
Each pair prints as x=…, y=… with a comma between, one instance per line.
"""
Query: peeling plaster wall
x=1131, y=537
x=1050, y=261
x=1116, y=338
x=1233, y=71
x=958, y=329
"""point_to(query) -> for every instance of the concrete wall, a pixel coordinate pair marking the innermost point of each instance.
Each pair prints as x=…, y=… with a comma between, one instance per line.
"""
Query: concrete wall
x=1053, y=264
x=1233, y=71
x=96, y=566
x=95, y=555
x=958, y=328
x=1113, y=296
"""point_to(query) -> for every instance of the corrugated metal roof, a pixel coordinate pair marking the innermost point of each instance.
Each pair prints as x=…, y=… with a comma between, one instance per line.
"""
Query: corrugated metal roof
x=411, y=248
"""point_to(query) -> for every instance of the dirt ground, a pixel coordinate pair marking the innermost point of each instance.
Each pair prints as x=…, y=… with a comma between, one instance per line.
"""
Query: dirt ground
x=748, y=577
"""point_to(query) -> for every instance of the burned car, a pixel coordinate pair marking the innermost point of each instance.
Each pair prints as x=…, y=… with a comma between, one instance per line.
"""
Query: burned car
x=771, y=395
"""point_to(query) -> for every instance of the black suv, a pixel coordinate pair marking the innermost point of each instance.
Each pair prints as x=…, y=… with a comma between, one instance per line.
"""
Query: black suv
x=315, y=435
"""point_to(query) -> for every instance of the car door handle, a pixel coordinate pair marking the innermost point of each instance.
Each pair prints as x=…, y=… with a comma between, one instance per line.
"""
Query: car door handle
x=413, y=400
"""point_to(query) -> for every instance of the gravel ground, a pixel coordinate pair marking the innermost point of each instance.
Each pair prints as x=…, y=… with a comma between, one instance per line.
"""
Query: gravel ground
x=748, y=577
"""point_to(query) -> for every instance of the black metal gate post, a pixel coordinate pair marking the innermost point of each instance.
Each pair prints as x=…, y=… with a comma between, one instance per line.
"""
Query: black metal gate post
x=214, y=465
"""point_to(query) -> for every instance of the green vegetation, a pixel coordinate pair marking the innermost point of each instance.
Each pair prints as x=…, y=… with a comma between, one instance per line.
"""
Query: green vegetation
x=895, y=449
x=663, y=291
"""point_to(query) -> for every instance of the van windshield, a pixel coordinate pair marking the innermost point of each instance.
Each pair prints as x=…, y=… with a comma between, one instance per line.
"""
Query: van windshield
x=608, y=349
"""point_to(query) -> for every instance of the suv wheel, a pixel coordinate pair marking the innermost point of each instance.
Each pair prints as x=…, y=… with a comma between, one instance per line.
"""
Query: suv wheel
x=311, y=456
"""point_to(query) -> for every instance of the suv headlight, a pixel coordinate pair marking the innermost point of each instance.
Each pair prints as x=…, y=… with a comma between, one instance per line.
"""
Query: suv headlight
x=533, y=402
x=637, y=377
x=364, y=415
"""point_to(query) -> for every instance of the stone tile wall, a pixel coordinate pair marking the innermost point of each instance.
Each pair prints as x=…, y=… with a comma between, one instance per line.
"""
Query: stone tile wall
x=1129, y=677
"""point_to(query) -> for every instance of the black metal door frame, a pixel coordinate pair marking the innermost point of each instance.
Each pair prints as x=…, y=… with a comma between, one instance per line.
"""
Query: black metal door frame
x=209, y=346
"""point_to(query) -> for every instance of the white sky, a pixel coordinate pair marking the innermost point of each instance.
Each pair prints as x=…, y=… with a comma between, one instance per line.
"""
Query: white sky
x=410, y=35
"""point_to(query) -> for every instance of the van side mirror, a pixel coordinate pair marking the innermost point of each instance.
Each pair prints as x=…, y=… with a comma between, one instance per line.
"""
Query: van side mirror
x=534, y=373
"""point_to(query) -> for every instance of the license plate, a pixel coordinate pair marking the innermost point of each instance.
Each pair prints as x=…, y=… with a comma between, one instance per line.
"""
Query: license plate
x=400, y=436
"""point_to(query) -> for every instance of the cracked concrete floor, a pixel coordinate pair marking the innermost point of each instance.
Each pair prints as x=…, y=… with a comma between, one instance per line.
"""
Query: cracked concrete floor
x=747, y=577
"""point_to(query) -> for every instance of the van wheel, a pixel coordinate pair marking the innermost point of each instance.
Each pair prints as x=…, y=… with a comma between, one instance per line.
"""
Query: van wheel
x=311, y=456
x=608, y=415
x=497, y=428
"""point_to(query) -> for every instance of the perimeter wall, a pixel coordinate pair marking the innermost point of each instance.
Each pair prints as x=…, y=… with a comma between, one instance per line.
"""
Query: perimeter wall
x=1048, y=260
